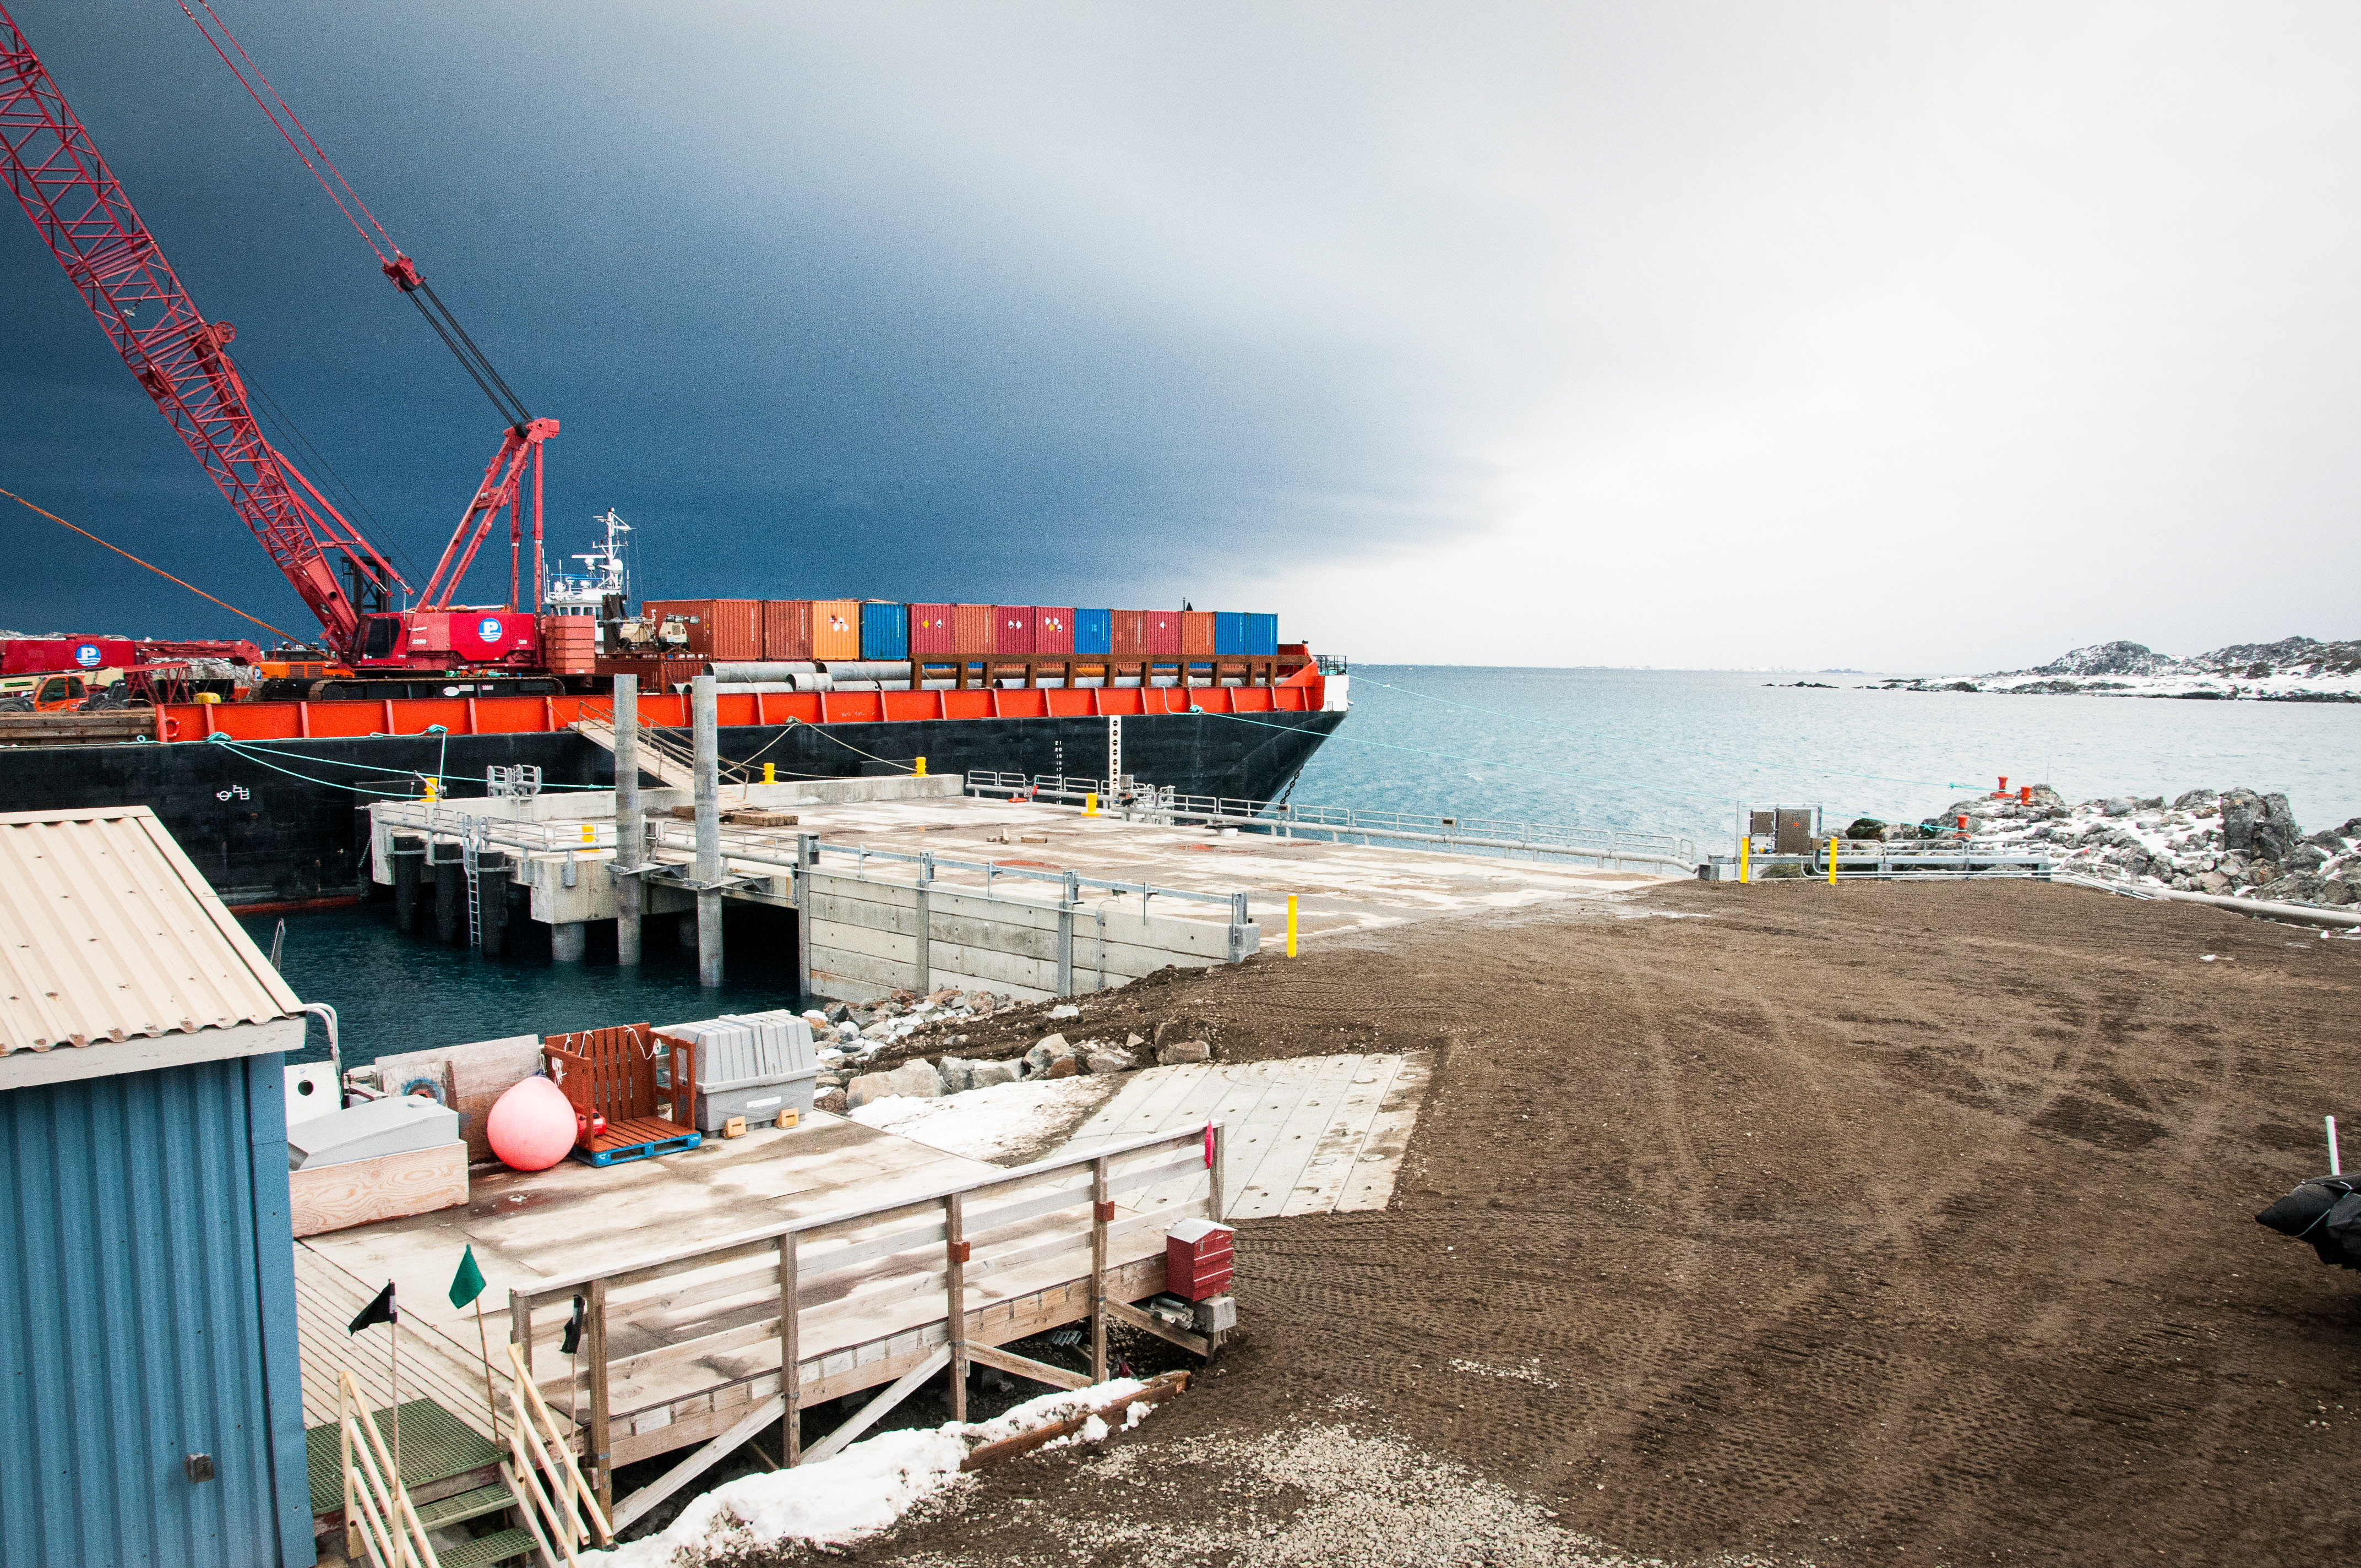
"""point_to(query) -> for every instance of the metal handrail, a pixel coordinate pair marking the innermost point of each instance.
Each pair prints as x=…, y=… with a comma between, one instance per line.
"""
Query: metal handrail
x=1457, y=832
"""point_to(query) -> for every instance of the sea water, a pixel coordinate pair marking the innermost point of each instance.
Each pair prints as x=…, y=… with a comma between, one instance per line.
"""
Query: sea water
x=1676, y=752
x=1680, y=751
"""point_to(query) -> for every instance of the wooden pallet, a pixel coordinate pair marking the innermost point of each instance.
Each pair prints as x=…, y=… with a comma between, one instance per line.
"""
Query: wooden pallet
x=641, y=1139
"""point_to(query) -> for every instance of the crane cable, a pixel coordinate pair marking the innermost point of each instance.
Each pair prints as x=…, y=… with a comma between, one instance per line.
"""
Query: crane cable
x=288, y=637
x=400, y=269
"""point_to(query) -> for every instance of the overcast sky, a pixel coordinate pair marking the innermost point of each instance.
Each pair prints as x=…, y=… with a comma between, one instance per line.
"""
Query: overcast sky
x=1925, y=337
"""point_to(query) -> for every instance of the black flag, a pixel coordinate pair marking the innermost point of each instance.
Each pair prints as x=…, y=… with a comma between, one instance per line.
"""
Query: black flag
x=378, y=1311
x=573, y=1339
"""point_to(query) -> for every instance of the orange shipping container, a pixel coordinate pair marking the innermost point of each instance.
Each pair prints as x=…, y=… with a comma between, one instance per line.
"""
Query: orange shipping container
x=786, y=628
x=737, y=630
x=697, y=613
x=972, y=627
x=836, y=629
x=1196, y=633
x=1128, y=633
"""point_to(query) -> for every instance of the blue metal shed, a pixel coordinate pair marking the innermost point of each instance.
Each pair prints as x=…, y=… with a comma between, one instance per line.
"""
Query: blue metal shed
x=152, y=1412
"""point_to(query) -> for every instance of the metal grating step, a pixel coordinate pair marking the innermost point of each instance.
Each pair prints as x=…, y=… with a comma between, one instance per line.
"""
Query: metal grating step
x=486, y=1550
x=466, y=1506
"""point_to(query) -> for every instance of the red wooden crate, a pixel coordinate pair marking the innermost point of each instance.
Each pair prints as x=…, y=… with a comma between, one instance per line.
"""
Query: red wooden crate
x=1197, y=1259
x=612, y=1073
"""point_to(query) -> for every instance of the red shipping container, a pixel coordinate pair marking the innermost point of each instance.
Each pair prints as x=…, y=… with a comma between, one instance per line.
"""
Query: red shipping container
x=1197, y=1259
x=1163, y=630
x=836, y=629
x=1128, y=632
x=933, y=630
x=1197, y=633
x=1012, y=628
x=737, y=630
x=1053, y=628
x=971, y=627
x=697, y=613
x=786, y=629
x=40, y=655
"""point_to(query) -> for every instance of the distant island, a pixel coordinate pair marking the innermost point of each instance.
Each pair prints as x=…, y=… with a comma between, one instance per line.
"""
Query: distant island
x=2293, y=669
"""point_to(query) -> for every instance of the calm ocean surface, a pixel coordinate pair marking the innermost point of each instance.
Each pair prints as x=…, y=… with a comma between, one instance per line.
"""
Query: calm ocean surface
x=1659, y=750
x=1678, y=750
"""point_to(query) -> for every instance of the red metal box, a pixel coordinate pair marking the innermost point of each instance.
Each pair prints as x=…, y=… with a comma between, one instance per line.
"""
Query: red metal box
x=786, y=629
x=933, y=629
x=1197, y=633
x=697, y=613
x=1163, y=630
x=1128, y=632
x=737, y=630
x=1012, y=628
x=1197, y=1258
x=1053, y=628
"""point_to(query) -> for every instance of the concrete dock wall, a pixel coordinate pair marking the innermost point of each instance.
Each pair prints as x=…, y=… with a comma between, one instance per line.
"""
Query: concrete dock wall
x=865, y=942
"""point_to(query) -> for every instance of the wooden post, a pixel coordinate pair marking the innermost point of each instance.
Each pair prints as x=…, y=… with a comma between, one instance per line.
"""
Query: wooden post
x=955, y=1262
x=1099, y=1215
x=345, y=1429
x=593, y=1329
x=791, y=1353
x=1213, y=1170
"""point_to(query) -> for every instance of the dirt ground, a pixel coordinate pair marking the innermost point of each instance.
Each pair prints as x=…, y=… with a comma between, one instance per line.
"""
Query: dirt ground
x=1880, y=1224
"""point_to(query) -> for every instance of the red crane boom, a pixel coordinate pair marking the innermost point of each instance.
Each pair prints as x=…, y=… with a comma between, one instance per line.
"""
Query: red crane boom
x=78, y=205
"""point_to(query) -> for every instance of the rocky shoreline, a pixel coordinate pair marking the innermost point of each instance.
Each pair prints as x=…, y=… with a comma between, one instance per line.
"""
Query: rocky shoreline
x=2293, y=669
x=2234, y=843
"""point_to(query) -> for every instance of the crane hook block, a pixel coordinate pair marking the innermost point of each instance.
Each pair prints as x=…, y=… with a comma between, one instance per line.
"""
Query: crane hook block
x=403, y=271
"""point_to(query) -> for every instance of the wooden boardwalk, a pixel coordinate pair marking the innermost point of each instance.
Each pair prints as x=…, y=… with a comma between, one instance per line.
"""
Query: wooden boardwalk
x=678, y=1263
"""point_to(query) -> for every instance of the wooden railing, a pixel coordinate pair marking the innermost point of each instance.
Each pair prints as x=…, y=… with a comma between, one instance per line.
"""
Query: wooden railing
x=557, y=1502
x=379, y=1519
x=877, y=1291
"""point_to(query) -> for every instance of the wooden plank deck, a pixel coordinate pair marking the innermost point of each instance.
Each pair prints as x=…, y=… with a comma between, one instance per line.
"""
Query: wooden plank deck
x=692, y=1310
x=1305, y=1135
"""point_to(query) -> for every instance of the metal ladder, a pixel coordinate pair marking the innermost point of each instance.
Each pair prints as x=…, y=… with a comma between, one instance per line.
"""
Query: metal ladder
x=475, y=896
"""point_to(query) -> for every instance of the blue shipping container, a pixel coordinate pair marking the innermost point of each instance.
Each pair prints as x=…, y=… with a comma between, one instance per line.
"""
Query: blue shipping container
x=1094, y=631
x=884, y=631
x=1229, y=631
x=1262, y=634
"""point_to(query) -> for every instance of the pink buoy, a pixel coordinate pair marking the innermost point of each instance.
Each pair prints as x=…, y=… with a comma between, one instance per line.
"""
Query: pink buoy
x=532, y=1126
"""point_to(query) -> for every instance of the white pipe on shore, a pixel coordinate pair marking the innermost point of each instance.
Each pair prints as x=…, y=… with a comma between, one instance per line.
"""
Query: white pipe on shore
x=2254, y=907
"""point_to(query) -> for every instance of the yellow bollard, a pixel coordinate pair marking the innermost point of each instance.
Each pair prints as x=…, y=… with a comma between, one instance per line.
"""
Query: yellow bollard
x=1290, y=925
x=1746, y=842
x=770, y=773
x=922, y=768
x=1090, y=805
x=433, y=789
x=1832, y=860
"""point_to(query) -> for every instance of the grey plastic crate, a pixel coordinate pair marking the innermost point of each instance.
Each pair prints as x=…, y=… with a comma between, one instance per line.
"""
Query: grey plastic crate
x=743, y=1051
x=760, y=1103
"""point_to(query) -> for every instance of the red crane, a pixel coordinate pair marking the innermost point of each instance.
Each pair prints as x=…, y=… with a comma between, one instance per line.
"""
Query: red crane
x=77, y=204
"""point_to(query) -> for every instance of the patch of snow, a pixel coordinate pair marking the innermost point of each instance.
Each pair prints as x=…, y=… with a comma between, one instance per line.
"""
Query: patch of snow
x=856, y=1494
x=994, y=1122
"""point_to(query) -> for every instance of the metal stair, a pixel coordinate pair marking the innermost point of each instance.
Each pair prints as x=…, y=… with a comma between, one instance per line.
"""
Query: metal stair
x=510, y=1545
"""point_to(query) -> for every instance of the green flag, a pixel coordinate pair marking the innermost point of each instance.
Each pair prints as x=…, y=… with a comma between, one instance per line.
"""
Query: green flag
x=468, y=1283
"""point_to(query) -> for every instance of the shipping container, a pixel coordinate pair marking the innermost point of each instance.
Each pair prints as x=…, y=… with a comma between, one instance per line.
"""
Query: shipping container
x=1129, y=638
x=932, y=630
x=1229, y=631
x=836, y=629
x=885, y=629
x=1197, y=632
x=786, y=629
x=1262, y=635
x=1012, y=628
x=737, y=630
x=1163, y=630
x=1094, y=631
x=971, y=627
x=698, y=614
x=40, y=655
x=1053, y=628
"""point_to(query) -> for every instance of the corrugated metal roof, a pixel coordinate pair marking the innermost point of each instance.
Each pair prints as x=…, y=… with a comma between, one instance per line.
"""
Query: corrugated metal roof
x=108, y=932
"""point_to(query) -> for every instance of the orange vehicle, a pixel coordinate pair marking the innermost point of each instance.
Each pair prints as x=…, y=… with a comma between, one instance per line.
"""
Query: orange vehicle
x=46, y=694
